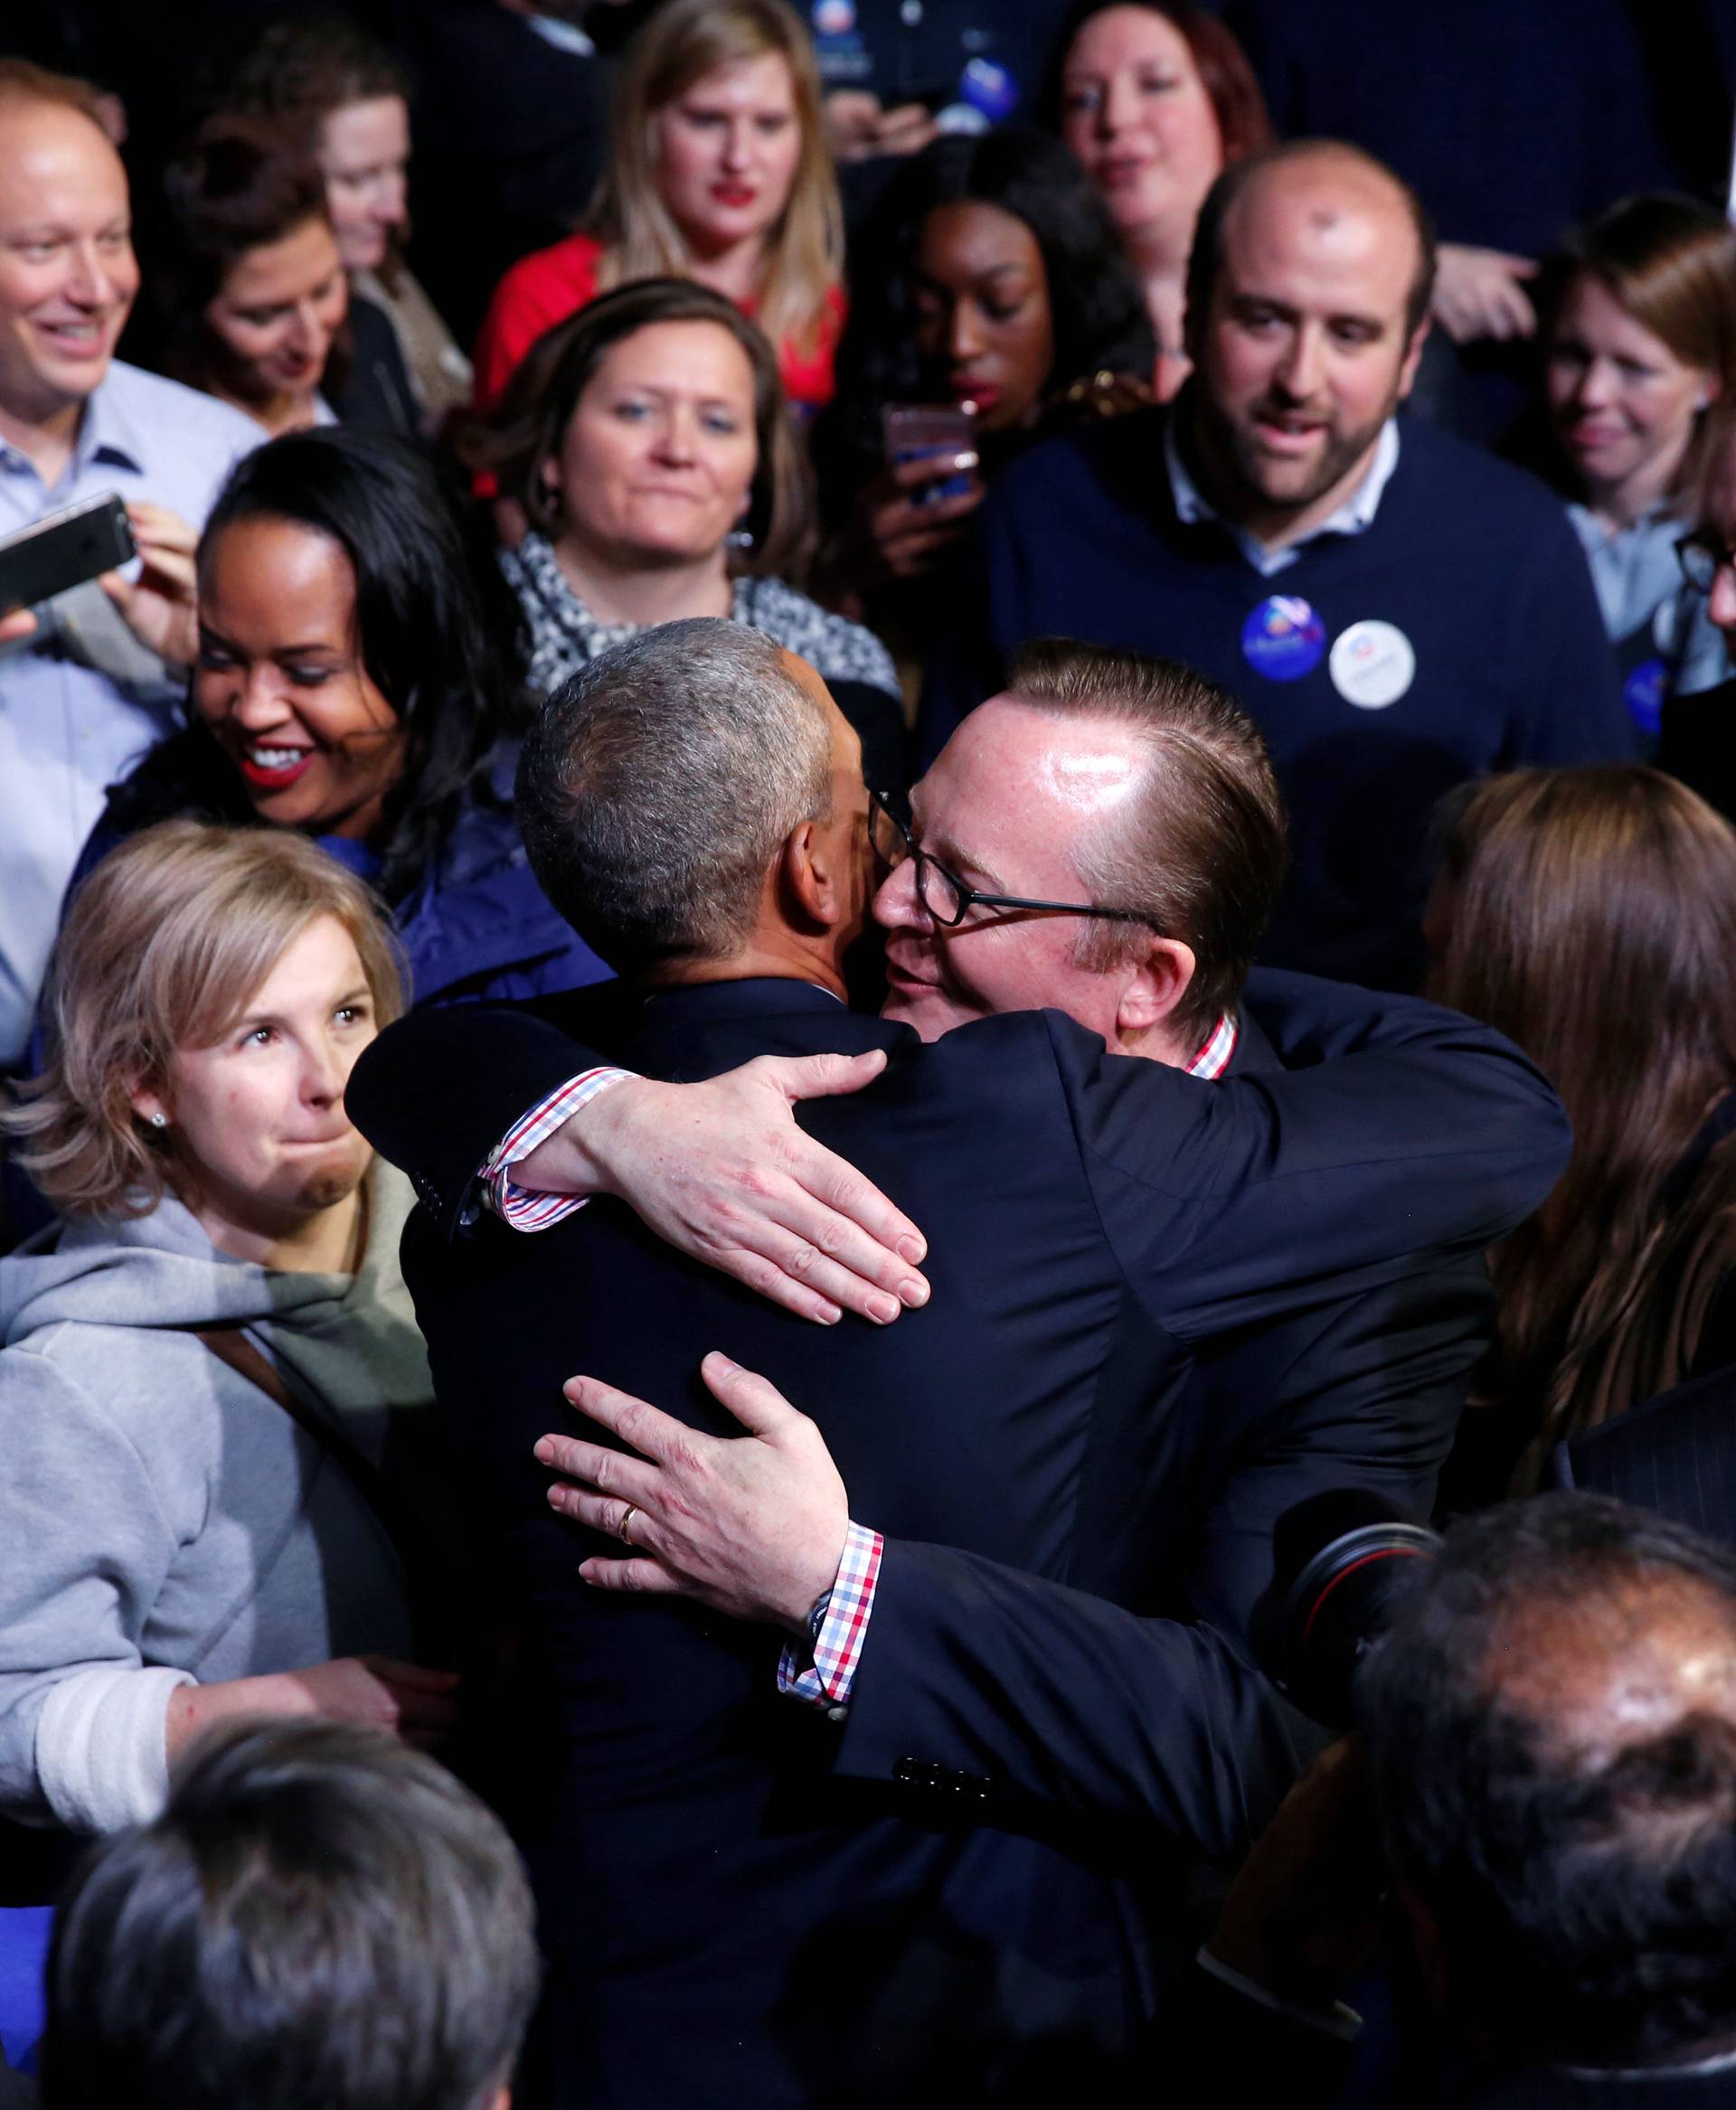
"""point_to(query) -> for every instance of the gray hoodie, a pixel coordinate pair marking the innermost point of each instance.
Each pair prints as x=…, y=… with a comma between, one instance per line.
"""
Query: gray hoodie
x=162, y=1521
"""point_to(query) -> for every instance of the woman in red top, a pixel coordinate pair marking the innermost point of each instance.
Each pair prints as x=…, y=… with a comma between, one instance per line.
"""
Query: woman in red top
x=718, y=171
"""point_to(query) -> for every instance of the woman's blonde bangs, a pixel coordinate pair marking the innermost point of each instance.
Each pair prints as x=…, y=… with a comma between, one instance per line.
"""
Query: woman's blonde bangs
x=162, y=949
x=685, y=40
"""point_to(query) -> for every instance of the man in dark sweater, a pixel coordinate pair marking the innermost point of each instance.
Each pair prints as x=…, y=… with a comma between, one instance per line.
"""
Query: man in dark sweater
x=1397, y=611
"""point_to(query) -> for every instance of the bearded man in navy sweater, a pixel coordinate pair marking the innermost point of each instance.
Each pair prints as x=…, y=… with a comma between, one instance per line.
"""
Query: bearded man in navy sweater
x=1398, y=611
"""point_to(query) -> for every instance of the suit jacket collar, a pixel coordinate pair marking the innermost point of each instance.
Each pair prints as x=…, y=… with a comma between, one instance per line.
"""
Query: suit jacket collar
x=1254, y=1054
x=755, y=996
x=704, y=1027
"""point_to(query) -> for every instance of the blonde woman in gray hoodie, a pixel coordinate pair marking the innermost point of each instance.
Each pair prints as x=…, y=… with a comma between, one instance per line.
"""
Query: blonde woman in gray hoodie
x=211, y=1363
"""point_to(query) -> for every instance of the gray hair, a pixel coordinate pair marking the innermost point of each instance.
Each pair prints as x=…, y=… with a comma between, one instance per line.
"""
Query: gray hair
x=659, y=783
x=319, y=1915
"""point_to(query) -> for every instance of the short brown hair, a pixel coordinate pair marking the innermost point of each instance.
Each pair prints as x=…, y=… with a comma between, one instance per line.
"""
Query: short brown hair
x=1207, y=257
x=526, y=427
x=22, y=82
x=1202, y=853
x=309, y=70
x=162, y=947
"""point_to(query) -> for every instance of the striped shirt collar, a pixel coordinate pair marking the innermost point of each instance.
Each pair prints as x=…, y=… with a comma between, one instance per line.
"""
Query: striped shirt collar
x=1217, y=1049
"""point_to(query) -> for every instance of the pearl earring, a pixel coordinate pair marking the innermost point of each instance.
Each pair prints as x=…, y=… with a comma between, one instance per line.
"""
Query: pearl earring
x=159, y=1120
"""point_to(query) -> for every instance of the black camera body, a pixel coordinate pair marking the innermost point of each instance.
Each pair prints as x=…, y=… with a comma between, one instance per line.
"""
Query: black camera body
x=1340, y=1561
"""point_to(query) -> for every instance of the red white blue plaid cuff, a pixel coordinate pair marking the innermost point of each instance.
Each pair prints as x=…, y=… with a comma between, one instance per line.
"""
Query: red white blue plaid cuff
x=823, y=1676
x=522, y=1207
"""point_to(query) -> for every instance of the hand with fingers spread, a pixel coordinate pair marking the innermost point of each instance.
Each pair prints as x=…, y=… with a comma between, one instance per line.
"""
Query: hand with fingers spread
x=721, y=1171
x=752, y=1526
x=160, y=606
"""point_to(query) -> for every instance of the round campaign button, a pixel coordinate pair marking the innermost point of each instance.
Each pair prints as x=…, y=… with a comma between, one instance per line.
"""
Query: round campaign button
x=1643, y=692
x=833, y=18
x=1283, y=639
x=1371, y=664
x=989, y=88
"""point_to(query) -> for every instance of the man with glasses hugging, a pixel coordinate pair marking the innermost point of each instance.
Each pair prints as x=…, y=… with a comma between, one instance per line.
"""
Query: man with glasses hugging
x=1104, y=840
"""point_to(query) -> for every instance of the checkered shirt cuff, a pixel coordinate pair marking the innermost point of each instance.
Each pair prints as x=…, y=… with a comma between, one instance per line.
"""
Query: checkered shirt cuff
x=522, y=1207
x=824, y=1675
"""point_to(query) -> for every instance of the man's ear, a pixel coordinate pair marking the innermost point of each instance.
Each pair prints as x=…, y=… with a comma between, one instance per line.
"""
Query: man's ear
x=807, y=878
x=1153, y=987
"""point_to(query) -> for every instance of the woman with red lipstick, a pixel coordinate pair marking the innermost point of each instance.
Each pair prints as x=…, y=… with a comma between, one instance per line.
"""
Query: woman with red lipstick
x=1154, y=98
x=718, y=171
x=349, y=685
x=1641, y=344
x=254, y=306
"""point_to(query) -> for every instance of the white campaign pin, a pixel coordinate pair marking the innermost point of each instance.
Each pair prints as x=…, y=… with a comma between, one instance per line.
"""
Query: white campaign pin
x=1371, y=664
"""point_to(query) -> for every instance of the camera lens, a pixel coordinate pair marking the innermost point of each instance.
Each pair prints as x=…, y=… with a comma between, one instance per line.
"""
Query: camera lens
x=1341, y=1560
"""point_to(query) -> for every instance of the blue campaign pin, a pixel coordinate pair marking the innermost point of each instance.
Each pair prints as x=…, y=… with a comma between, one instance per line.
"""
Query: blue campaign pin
x=988, y=87
x=1643, y=692
x=1283, y=639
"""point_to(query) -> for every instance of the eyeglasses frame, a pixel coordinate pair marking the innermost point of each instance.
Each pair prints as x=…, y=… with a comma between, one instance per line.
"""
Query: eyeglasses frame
x=971, y=897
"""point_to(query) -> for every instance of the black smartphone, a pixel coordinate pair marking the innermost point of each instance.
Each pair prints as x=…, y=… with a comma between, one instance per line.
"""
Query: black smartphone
x=61, y=552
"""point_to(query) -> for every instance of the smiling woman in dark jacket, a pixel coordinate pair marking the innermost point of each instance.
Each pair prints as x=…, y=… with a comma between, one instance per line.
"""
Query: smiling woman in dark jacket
x=349, y=685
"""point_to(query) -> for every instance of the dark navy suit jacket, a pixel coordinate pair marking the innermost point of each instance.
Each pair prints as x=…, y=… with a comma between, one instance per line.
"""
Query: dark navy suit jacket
x=1676, y=1454
x=971, y=1667
x=729, y=1919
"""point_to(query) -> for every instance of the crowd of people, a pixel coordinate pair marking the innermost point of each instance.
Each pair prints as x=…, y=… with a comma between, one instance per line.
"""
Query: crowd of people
x=867, y=1056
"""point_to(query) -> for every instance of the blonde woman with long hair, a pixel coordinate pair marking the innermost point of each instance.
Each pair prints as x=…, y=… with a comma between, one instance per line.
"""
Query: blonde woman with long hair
x=718, y=171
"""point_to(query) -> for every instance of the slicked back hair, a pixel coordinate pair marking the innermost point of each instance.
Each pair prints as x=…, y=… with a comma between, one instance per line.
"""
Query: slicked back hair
x=658, y=785
x=1202, y=851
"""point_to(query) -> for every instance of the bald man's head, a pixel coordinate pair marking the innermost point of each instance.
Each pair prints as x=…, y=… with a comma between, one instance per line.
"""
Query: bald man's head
x=1551, y=1725
x=1337, y=180
x=68, y=275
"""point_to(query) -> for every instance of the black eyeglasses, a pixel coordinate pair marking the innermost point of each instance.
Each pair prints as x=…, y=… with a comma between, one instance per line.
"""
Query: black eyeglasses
x=1703, y=556
x=943, y=894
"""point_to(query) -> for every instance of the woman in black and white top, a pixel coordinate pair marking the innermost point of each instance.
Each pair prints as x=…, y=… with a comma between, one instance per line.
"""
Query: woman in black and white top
x=648, y=443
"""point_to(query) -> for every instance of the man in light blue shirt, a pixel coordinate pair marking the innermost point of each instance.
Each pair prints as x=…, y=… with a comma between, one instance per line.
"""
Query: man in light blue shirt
x=98, y=675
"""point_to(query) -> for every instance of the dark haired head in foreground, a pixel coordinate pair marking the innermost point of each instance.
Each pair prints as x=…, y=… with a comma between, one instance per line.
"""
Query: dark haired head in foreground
x=1551, y=1724
x=319, y=1916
